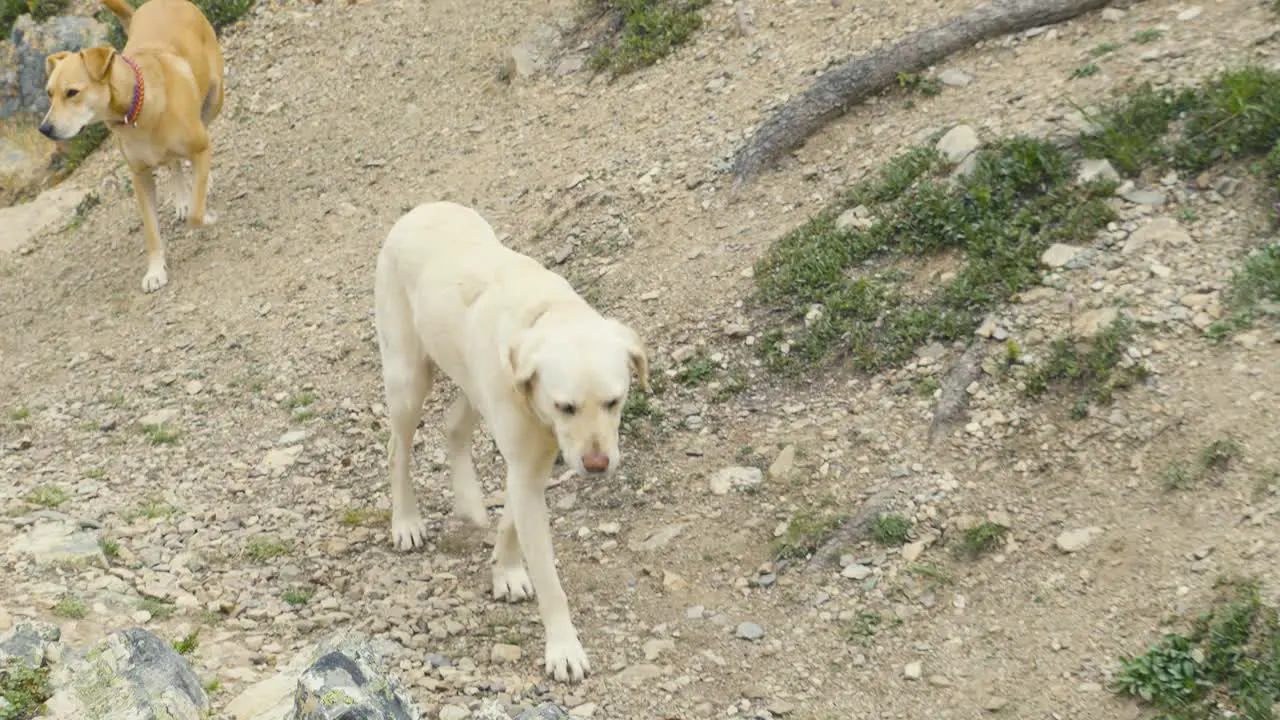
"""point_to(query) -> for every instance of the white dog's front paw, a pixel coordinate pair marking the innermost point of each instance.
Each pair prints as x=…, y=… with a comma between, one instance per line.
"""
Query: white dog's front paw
x=409, y=533
x=156, y=278
x=566, y=660
x=512, y=584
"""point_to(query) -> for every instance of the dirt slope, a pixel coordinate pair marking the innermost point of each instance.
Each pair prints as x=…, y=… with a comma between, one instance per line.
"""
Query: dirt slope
x=339, y=117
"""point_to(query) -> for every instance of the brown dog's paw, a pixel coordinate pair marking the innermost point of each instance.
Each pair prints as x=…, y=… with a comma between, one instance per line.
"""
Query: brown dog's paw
x=210, y=218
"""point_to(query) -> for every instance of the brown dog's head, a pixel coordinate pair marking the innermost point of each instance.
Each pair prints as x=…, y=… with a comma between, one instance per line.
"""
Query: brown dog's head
x=79, y=88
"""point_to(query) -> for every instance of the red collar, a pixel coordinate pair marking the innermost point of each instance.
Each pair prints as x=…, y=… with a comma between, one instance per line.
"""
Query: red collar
x=139, y=92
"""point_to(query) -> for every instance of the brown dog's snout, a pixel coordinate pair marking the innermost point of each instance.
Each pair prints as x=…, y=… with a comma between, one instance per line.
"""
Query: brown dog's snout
x=595, y=462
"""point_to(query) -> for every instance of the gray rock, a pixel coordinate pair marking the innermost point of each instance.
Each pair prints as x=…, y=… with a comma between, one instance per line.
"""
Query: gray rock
x=1096, y=170
x=784, y=463
x=346, y=682
x=1059, y=254
x=1089, y=324
x=959, y=142
x=60, y=541
x=1161, y=231
x=1076, y=540
x=130, y=675
x=749, y=631
x=1145, y=197
x=22, y=77
x=52, y=208
x=955, y=77
x=545, y=711
x=735, y=478
x=27, y=642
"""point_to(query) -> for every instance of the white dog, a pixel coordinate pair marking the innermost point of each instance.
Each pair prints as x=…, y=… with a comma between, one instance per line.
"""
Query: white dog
x=531, y=357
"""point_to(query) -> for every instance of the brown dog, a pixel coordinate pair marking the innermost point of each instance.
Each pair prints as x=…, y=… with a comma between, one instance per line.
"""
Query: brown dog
x=157, y=96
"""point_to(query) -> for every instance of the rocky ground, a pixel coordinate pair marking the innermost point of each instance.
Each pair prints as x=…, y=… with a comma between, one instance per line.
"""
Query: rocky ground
x=211, y=456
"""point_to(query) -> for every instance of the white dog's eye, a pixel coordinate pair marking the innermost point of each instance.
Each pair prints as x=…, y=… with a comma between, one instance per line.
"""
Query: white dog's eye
x=567, y=408
x=72, y=93
x=611, y=405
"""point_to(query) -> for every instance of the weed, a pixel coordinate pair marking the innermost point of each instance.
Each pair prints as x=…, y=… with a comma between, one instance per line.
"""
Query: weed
x=1259, y=279
x=806, y=532
x=70, y=607
x=932, y=572
x=222, y=13
x=697, y=371
x=982, y=539
x=1214, y=459
x=890, y=529
x=734, y=384
x=1177, y=476
x=649, y=31
x=1227, y=666
x=110, y=548
x=922, y=84
x=95, y=473
x=927, y=387
x=298, y=596
x=161, y=434
x=365, y=517
x=188, y=644
x=302, y=399
x=1105, y=49
x=47, y=496
x=82, y=211
x=638, y=407
x=1096, y=368
x=158, y=609
x=24, y=690
x=261, y=549
x=864, y=627
x=213, y=686
x=1019, y=199
x=1218, y=454
x=1150, y=35
x=19, y=414
x=151, y=510
x=1085, y=71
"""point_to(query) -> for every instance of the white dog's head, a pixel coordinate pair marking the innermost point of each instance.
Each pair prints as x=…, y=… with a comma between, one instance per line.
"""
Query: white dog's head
x=575, y=377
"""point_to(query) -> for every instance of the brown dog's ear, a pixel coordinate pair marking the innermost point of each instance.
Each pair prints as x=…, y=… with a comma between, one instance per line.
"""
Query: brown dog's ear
x=52, y=61
x=98, y=61
x=639, y=356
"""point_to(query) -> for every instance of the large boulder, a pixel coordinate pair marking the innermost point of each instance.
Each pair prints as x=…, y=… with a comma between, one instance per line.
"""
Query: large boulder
x=22, y=77
x=130, y=675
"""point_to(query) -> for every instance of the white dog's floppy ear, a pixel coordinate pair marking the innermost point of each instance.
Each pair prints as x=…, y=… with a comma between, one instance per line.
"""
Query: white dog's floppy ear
x=639, y=356
x=518, y=356
x=52, y=61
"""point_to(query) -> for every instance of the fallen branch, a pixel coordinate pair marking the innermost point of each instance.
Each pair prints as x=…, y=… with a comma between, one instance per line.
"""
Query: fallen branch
x=836, y=90
x=955, y=392
x=852, y=531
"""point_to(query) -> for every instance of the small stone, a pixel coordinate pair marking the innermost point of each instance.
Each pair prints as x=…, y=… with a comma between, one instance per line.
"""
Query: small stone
x=1190, y=13
x=504, y=653
x=1113, y=14
x=913, y=670
x=856, y=572
x=1088, y=324
x=293, y=437
x=959, y=142
x=653, y=649
x=585, y=710
x=454, y=712
x=1076, y=540
x=781, y=707
x=995, y=704
x=637, y=675
x=912, y=551
x=1059, y=254
x=159, y=417
x=749, y=631
x=955, y=77
x=1091, y=170
x=735, y=478
x=1161, y=231
x=1145, y=197
x=784, y=464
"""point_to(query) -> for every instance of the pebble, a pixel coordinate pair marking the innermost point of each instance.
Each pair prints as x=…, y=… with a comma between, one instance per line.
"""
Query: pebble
x=749, y=631
x=1072, y=541
x=958, y=143
x=913, y=670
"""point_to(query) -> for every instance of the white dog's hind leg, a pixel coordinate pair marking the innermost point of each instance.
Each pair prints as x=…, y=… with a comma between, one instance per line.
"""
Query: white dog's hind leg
x=460, y=424
x=510, y=581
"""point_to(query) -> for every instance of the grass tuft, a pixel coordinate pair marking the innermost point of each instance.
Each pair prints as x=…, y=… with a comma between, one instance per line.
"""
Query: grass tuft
x=648, y=31
x=982, y=539
x=1214, y=460
x=1096, y=368
x=298, y=596
x=890, y=529
x=261, y=549
x=24, y=690
x=1227, y=666
x=806, y=532
x=188, y=644
x=47, y=496
x=70, y=607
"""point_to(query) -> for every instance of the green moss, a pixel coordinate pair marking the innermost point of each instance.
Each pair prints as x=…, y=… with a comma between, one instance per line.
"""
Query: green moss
x=650, y=30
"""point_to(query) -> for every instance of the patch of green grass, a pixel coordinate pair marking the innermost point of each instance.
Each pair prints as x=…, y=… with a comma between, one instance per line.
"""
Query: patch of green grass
x=864, y=627
x=298, y=596
x=365, y=517
x=1095, y=369
x=188, y=644
x=78, y=148
x=982, y=539
x=47, y=496
x=1105, y=49
x=806, y=532
x=922, y=84
x=890, y=529
x=1178, y=476
x=19, y=414
x=82, y=211
x=1019, y=199
x=110, y=548
x=1150, y=35
x=213, y=686
x=70, y=606
x=302, y=399
x=649, y=30
x=151, y=510
x=637, y=408
x=25, y=689
x=1228, y=665
x=95, y=473
x=162, y=434
x=222, y=13
x=697, y=371
x=1085, y=71
x=1257, y=282
x=1217, y=455
x=159, y=609
x=1214, y=459
x=927, y=387
x=263, y=548
x=734, y=384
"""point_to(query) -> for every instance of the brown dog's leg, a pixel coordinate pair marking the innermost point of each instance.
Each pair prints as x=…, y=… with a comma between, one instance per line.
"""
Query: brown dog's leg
x=201, y=216
x=144, y=188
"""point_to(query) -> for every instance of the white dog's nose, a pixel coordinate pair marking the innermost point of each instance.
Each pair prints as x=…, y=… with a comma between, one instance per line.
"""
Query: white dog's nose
x=595, y=462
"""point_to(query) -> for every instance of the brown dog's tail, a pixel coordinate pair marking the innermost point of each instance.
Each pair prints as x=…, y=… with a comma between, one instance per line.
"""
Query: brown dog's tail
x=122, y=10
